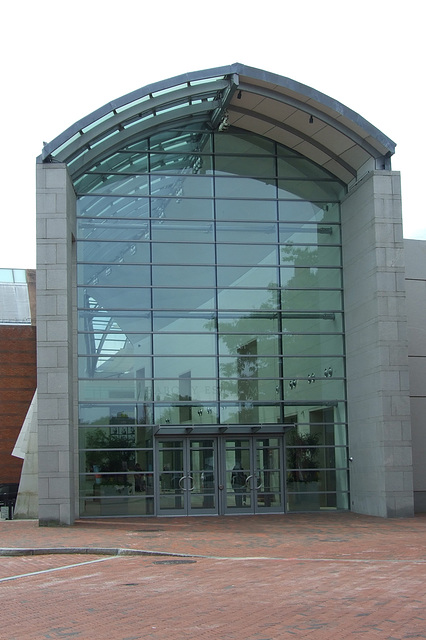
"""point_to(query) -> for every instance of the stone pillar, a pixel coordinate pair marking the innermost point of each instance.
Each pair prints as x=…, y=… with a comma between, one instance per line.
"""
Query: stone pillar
x=56, y=438
x=376, y=348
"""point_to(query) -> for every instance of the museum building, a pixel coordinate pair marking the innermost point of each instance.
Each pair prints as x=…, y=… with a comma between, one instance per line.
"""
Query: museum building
x=221, y=309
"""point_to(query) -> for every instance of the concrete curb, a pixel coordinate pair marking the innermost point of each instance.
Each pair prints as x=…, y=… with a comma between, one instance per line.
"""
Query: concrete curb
x=100, y=551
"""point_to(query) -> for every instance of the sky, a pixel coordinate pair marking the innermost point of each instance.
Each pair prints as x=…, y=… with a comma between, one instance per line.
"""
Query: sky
x=62, y=60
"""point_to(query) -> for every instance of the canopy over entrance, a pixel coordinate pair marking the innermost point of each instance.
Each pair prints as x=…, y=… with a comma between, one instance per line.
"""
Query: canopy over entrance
x=297, y=116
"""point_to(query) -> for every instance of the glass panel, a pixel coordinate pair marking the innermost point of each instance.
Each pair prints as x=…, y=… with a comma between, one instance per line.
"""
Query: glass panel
x=251, y=389
x=311, y=300
x=203, y=475
x=247, y=277
x=249, y=413
x=246, y=232
x=114, y=274
x=123, y=321
x=312, y=322
x=201, y=392
x=299, y=413
x=184, y=139
x=181, y=253
x=251, y=323
x=6, y=275
x=186, y=345
x=129, y=390
x=185, y=413
x=314, y=345
x=312, y=389
x=301, y=168
x=107, y=484
x=175, y=321
x=307, y=462
x=104, y=346
x=255, y=210
x=310, y=189
x=184, y=276
x=310, y=256
x=246, y=166
x=112, y=229
x=113, y=252
x=238, y=470
x=324, y=368
x=190, y=186
x=171, y=465
x=113, y=206
x=303, y=211
x=309, y=234
x=234, y=254
x=244, y=143
x=110, y=183
x=174, y=367
x=114, y=414
x=182, y=208
x=116, y=436
x=131, y=505
x=182, y=232
x=245, y=188
x=247, y=347
x=116, y=461
x=246, y=366
x=184, y=299
x=316, y=502
x=247, y=299
x=178, y=162
x=311, y=278
x=116, y=297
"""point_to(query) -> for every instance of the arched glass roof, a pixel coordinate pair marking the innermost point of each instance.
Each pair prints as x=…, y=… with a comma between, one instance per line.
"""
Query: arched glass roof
x=297, y=116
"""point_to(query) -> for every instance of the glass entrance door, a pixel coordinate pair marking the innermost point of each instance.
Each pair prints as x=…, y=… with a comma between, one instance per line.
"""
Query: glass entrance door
x=253, y=480
x=186, y=478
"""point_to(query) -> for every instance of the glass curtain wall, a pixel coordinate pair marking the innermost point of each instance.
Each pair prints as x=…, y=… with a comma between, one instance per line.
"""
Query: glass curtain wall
x=209, y=293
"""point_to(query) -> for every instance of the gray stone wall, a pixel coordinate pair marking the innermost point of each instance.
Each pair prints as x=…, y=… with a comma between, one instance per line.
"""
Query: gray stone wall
x=56, y=438
x=376, y=347
x=415, y=252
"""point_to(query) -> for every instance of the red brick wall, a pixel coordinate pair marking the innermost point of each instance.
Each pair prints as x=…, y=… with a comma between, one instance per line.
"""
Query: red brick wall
x=18, y=380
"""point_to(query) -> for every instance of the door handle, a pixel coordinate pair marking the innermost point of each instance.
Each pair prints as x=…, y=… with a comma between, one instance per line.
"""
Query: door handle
x=253, y=475
x=182, y=479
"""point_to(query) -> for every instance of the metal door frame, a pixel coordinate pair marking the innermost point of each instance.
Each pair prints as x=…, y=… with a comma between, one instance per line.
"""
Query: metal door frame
x=252, y=489
x=187, y=482
x=221, y=488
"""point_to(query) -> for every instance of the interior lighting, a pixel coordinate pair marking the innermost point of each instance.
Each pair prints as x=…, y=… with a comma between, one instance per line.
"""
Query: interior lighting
x=311, y=119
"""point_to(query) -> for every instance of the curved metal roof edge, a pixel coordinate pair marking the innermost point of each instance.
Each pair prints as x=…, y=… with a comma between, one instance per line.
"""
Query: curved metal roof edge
x=319, y=97
x=236, y=68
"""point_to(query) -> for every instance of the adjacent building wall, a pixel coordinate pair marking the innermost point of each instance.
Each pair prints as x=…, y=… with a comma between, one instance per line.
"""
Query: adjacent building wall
x=376, y=348
x=415, y=258
x=55, y=228
x=17, y=386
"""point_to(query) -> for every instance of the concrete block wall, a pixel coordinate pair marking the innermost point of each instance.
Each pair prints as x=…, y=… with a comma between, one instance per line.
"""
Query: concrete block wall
x=376, y=347
x=415, y=251
x=56, y=447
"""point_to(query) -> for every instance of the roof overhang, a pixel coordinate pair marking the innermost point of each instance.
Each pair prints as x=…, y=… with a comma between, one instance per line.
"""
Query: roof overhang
x=293, y=114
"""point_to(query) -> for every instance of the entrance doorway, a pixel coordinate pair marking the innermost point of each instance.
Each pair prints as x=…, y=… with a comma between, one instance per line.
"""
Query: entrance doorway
x=220, y=475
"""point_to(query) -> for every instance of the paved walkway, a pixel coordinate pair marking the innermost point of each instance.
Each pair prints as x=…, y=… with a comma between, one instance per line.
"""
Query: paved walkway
x=319, y=576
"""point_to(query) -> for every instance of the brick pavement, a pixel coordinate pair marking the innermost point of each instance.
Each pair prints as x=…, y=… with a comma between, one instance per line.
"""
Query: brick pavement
x=244, y=578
